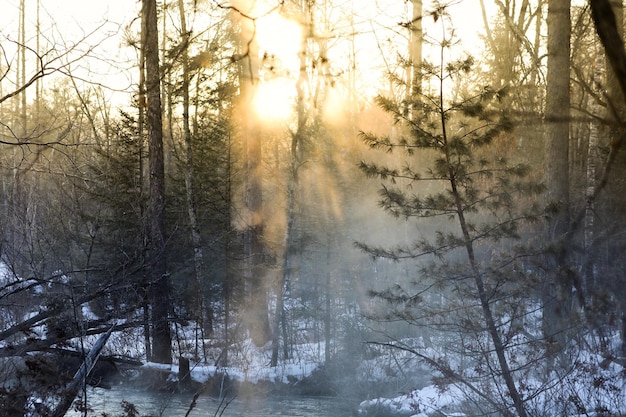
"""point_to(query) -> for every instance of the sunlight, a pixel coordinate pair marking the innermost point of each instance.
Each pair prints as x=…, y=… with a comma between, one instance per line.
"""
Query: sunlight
x=273, y=100
x=279, y=41
x=279, y=36
x=336, y=105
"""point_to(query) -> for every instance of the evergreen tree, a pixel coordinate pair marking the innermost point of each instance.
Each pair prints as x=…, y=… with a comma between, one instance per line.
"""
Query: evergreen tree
x=468, y=294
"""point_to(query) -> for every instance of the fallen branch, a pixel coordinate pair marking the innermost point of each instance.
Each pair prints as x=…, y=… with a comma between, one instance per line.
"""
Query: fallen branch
x=72, y=388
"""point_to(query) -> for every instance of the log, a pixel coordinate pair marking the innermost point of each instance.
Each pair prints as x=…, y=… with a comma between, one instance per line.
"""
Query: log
x=72, y=388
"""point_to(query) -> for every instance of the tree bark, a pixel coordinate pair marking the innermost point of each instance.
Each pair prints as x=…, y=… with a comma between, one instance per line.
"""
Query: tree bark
x=72, y=388
x=557, y=291
x=609, y=33
x=196, y=238
x=159, y=291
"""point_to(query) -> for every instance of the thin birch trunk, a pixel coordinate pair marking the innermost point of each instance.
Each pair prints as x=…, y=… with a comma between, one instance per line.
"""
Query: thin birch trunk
x=590, y=176
x=196, y=238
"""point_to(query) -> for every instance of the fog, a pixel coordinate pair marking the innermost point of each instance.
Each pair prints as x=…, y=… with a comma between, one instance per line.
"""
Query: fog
x=360, y=210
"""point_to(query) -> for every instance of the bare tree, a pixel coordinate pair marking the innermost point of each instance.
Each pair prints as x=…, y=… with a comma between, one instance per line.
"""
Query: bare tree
x=196, y=239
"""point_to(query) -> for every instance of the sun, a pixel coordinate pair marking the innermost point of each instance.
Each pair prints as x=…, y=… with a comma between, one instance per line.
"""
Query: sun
x=279, y=36
x=273, y=100
x=279, y=41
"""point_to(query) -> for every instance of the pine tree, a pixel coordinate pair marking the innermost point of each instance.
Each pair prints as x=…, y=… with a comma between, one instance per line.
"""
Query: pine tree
x=453, y=168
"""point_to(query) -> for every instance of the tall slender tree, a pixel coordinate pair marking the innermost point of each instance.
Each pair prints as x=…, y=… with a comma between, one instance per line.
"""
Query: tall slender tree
x=451, y=146
x=256, y=314
x=159, y=291
x=606, y=23
x=558, y=288
x=196, y=239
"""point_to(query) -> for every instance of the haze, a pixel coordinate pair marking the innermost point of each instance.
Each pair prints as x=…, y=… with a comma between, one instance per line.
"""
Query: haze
x=312, y=208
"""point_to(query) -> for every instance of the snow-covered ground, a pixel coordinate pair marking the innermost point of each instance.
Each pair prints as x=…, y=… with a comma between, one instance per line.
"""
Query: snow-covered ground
x=253, y=366
x=418, y=403
x=593, y=385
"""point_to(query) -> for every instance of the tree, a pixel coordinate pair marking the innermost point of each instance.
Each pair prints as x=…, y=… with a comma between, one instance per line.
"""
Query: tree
x=451, y=144
x=196, y=239
x=256, y=314
x=608, y=31
x=558, y=288
x=159, y=287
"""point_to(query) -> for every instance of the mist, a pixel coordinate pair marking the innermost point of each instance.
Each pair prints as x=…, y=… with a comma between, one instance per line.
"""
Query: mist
x=366, y=208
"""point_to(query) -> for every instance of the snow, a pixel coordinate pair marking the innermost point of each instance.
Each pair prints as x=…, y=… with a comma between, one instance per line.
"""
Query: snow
x=593, y=386
x=419, y=402
x=253, y=367
x=592, y=382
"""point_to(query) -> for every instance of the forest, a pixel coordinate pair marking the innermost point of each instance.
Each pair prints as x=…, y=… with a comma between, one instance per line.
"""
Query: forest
x=401, y=196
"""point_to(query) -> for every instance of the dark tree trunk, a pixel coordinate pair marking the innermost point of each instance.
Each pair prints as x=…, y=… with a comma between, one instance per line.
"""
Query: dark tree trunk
x=196, y=238
x=610, y=35
x=159, y=292
x=557, y=290
x=141, y=117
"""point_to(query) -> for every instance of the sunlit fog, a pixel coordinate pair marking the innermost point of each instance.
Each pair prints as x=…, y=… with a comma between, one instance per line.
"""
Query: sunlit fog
x=312, y=208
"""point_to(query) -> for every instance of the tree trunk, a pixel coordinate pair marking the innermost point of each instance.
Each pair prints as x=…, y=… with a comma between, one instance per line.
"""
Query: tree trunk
x=38, y=83
x=22, y=74
x=557, y=293
x=228, y=283
x=610, y=35
x=72, y=388
x=196, y=239
x=491, y=325
x=483, y=291
x=612, y=262
x=415, y=48
x=590, y=175
x=256, y=316
x=141, y=116
x=159, y=291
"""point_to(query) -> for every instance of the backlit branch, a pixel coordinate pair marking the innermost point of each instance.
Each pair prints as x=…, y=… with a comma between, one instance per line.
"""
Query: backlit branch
x=49, y=62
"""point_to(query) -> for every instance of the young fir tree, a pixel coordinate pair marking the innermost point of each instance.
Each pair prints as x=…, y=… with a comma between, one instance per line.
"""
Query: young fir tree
x=470, y=297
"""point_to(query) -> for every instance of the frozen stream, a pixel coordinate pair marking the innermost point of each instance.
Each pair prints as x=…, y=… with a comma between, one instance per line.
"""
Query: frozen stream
x=177, y=405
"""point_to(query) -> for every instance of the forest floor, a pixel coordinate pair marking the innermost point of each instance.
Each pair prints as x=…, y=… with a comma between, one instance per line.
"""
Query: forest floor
x=395, y=383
